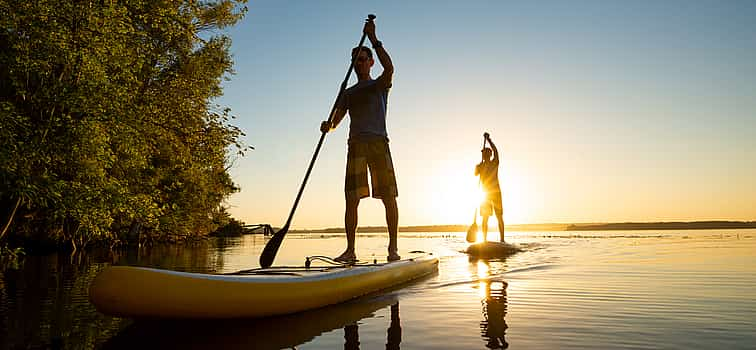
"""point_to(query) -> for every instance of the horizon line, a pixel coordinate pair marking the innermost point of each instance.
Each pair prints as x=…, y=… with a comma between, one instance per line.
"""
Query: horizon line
x=703, y=224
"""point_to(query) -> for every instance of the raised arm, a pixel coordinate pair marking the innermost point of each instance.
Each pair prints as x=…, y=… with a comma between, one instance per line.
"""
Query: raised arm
x=493, y=147
x=380, y=51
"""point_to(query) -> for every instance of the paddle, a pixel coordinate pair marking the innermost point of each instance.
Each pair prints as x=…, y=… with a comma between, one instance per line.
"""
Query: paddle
x=271, y=248
x=472, y=232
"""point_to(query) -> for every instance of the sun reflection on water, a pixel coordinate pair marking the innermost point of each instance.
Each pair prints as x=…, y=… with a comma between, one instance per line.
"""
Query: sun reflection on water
x=482, y=274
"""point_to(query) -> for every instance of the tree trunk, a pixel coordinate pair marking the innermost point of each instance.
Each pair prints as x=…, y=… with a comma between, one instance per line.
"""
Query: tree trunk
x=134, y=230
x=10, y=218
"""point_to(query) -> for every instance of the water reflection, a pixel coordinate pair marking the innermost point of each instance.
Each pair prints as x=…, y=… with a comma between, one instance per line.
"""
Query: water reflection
x=493, y=328
x=43, y=304
x=631, y=290
x=393, y=334
x=266, y=333
x=351, y=337
x=493, y=293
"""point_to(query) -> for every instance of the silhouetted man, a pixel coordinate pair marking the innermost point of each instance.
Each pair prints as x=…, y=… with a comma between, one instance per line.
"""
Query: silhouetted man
x=368, y=148
x=488, y=170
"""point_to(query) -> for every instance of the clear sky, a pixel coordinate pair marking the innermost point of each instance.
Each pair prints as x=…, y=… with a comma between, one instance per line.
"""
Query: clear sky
x=603, y=111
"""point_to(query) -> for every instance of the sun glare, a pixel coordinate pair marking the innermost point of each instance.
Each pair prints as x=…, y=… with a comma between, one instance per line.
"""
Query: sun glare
x=455, y=197
x=454, y=194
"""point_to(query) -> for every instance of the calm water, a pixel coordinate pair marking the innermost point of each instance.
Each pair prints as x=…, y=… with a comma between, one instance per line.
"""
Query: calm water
x=606, y=290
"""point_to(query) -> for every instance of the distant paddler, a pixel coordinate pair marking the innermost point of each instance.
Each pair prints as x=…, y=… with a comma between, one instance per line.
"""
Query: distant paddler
x=488, y=170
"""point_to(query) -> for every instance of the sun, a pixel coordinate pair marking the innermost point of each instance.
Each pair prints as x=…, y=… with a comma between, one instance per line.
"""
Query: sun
x=455, y=196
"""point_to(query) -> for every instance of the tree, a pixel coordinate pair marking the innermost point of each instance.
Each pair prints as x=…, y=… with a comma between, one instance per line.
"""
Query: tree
x=107, y=120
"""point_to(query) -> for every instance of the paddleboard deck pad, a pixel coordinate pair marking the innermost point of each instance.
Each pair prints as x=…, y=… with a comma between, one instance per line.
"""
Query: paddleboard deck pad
x=141, y=292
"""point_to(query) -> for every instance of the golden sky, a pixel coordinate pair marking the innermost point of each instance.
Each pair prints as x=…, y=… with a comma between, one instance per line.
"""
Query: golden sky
x=602, y=112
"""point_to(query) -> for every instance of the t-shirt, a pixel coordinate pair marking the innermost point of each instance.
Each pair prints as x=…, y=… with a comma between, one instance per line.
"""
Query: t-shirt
x=366, y=102
x=489, y=175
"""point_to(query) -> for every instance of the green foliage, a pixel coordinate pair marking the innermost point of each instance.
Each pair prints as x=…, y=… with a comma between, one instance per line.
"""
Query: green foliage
x=228, y=226
x=107, y=119
x=10, y=258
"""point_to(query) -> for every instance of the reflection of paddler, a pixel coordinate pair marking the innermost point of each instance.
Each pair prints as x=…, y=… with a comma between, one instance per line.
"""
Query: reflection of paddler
x=393, y=336
x=493, y=328
x=351, y=337
x=394, y=332
x=265, y=333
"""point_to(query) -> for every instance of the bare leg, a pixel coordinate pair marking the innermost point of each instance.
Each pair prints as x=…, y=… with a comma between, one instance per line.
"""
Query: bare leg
x=350, y=225
x=392, y=221
x=485, y=227
x=500, y=218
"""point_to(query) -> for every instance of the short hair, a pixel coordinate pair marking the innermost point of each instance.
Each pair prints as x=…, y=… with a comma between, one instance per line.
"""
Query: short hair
x=356, y=51
x=486, y=151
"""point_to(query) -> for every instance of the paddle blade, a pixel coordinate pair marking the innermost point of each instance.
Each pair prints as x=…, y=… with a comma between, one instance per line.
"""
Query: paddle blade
x=270, y=250
x=472, y=233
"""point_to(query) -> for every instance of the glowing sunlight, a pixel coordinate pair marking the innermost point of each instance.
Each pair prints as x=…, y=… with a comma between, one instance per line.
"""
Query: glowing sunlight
x=483, y=275
x=454, y=196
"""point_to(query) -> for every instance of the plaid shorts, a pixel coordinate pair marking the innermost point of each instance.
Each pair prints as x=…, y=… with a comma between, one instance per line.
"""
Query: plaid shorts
x=492, y=204
x=376, y=156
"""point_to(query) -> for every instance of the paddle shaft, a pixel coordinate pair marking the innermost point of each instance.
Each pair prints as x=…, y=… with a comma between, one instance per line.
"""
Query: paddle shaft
x=322, y=135
x=479, y=180
x=271, y=248
x=472, y=230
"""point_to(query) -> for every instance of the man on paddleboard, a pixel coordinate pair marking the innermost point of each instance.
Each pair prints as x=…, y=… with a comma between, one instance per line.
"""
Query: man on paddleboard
x=488, y=170
x=368, y=148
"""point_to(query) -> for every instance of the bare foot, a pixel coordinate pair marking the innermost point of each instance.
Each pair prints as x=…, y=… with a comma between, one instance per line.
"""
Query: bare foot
x=346, y=257
x=393, y=256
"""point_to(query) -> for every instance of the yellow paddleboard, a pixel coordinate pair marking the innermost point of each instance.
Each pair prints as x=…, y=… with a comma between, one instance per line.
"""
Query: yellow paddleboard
x=141, y=292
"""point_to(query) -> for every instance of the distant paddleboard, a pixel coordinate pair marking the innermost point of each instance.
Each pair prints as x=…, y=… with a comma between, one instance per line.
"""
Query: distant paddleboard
x=492, y=249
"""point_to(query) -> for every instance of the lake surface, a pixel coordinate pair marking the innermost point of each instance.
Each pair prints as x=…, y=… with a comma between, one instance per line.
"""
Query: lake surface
x=567, y=290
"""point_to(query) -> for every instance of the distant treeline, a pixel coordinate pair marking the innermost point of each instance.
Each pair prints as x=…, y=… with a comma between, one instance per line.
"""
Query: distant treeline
x=108, y=130
x=695, y=225
x=437, y=228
